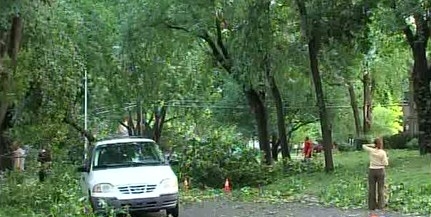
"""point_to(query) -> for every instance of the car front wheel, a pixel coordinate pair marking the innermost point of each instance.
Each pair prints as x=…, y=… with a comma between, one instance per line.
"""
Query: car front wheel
x=173, y=212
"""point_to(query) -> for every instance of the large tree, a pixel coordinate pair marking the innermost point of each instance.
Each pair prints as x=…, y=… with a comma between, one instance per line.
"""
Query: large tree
x=328, y=23
x=11, y=37
x=227, y=38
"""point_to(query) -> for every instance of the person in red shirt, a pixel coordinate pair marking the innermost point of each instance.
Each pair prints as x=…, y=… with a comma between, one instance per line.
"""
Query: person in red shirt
x=308, y=148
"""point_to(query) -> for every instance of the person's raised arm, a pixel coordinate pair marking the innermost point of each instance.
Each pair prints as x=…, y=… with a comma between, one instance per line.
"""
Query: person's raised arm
x=385, y=159
x=367, y=147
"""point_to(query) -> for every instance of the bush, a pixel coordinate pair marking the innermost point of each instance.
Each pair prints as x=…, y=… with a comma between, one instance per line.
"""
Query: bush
x=208, y=163
x=344, y=147
x=298, y=167
x=58, y=196
x=413, y=144
x=398, y=141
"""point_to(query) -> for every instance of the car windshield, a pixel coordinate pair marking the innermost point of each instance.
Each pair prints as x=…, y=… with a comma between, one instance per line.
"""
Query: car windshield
x=127, y=155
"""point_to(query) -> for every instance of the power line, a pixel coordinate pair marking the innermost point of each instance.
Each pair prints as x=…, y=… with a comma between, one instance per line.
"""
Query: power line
x=194, y=102
x=238, y=107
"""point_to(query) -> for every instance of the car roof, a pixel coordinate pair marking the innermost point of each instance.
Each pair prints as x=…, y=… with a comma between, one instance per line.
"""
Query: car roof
x=122, y=140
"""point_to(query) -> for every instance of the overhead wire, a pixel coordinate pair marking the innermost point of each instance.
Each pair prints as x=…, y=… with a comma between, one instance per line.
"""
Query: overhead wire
x=210, y=105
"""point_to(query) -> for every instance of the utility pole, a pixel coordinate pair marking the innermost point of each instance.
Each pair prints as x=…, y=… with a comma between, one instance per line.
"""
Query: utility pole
x=85, y=113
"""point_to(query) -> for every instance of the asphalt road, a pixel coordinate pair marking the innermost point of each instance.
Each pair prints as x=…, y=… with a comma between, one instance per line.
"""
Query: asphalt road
x=237, y=209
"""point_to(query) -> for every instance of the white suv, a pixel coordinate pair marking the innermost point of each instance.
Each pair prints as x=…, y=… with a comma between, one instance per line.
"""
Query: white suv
x=132, y=174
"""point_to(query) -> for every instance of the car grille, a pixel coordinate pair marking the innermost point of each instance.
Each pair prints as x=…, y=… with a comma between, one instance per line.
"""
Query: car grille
x=136, y=189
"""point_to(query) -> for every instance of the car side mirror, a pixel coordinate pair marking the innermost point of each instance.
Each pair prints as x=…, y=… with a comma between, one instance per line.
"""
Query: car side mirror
x=173, y=162
x=83, y=169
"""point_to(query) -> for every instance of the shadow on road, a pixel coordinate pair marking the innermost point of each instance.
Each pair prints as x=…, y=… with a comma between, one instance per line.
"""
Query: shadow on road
x=153, y=214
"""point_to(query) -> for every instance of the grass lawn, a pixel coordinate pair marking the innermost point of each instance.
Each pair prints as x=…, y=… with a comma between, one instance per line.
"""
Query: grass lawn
x=408, y=178
x=404, y=167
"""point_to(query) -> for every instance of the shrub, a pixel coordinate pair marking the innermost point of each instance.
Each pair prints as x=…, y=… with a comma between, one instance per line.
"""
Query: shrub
x=58, y=196
x=298, y=167
x=344, y=147
x=413, y=144
x=208, y=163
x=397, y=141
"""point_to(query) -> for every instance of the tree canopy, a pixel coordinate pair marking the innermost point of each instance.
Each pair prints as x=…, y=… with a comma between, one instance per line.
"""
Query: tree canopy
x=277, y=71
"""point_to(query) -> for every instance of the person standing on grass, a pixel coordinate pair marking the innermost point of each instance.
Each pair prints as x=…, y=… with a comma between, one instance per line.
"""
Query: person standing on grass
x=18, y=157
x=376, y=174
x=308, y=148
x=44, y=158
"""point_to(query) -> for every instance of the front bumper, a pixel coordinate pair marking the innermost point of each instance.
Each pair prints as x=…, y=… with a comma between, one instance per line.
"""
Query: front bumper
x=166, y=201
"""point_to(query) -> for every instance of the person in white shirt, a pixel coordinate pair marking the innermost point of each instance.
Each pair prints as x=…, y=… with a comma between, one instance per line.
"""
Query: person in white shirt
x=18, y=157
x=376, y=175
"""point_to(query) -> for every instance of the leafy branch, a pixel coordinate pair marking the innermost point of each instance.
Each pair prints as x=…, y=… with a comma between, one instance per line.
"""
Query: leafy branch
x=68, y=120
x=217, y=46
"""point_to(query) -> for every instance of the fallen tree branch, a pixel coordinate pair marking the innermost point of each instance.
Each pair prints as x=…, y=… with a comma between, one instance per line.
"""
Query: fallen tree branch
x=205, y=35
x=337, y=84
x=301, y=124
x=173, y=118
x=90, y=137
x=124, y=125
x=170, y=26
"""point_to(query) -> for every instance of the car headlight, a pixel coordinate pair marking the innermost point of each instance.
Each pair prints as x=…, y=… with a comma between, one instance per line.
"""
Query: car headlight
x=169, y=183
x=103, y=188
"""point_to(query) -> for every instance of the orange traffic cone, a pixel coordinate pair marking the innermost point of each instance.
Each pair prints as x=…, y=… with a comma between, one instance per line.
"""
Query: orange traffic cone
x=227, y=186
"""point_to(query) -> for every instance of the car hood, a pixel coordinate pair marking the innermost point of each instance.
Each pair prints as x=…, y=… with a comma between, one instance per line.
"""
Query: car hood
x=132, y=175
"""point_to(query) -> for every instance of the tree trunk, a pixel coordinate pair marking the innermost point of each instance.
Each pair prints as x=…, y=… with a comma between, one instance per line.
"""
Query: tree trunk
x=367, y=109
x=4, y=89
x=274, y=146
x=355, y=109
x=281, y=124
x=159, y=115
x=257, y=105
x=422, y=96
x=323, y=115
x=147, y=129
x=131, y=129
x=139, y=119
x=5, y=144
x=10, y=46
x=421, y=79
x=5, y=160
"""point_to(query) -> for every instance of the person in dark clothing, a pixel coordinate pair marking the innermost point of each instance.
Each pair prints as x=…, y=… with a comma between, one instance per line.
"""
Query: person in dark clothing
x=44, y=158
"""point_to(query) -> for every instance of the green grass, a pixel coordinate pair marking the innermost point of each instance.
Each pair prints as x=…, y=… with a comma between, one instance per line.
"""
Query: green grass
x=405, y=167
x=407, y=177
